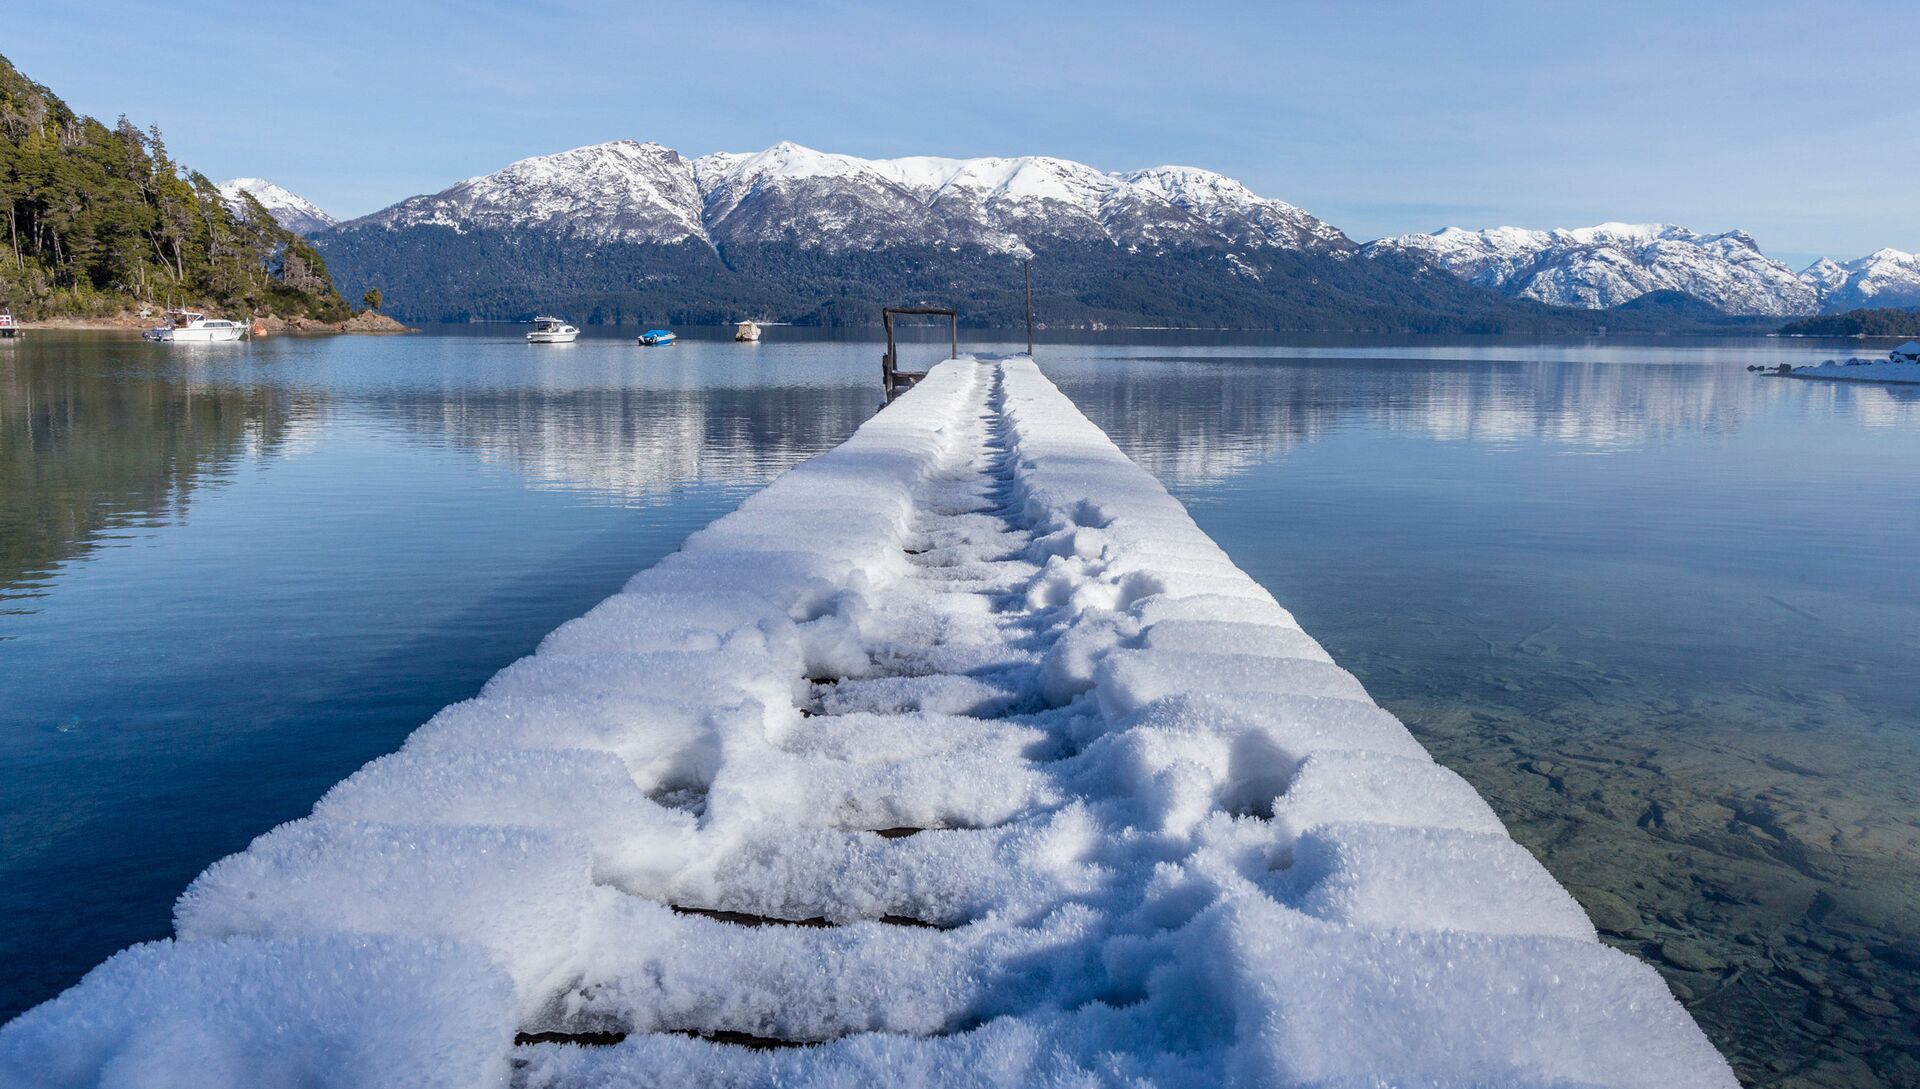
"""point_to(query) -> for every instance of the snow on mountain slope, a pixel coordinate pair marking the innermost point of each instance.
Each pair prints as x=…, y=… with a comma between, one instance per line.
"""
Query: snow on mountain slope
x=1016, y=197
x=840, y=202
x=1235, y=211
x=794, y=195
x=1612, y=263
x=621, y=191
x=814, y=199
x=1885, y=277
x=292, y=211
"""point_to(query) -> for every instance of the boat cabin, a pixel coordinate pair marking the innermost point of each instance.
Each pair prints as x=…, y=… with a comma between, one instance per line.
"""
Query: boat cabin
x=9, y=329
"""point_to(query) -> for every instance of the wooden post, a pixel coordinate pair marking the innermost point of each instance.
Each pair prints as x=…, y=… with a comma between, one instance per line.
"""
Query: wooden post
x=887, y=361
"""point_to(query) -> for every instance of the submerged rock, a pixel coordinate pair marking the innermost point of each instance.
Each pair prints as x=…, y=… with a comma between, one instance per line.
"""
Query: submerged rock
x=1609, y=912
x=1689, y=956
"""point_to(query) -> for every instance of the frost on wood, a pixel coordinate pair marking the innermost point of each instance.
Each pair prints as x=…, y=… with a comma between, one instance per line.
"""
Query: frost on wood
x=959, y=756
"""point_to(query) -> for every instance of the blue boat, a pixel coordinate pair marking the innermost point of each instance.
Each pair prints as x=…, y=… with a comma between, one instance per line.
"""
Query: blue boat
x=657, y=338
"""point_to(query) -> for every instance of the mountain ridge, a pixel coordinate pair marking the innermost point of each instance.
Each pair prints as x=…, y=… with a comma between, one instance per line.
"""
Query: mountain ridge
x=648, y=222
x=289, y=209
x=1887, y=277
x=1609, y=264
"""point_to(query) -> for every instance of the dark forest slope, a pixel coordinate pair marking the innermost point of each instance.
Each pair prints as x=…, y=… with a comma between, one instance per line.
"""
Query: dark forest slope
x=99, y=220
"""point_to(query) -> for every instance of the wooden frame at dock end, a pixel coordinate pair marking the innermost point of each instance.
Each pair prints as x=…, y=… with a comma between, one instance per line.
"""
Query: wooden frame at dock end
x=891, y=375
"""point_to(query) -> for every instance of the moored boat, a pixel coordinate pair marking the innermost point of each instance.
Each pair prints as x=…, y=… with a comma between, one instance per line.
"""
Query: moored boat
x=193, y=327
x=657, y=338
x=548, y=330
x=9, y=329
x=747, y=332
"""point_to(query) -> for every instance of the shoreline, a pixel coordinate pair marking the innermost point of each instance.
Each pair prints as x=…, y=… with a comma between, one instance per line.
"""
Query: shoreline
x=359, y=324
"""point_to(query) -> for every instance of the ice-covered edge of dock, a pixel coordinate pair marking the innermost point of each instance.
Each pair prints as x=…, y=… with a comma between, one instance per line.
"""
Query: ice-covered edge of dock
x=1167, y=840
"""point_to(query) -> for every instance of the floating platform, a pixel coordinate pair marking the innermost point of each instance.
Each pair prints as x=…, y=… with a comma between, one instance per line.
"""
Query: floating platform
x=959, y=755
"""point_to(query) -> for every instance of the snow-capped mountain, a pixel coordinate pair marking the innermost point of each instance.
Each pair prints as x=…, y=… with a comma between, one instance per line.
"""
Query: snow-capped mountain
x=1613, y=263
x=793, y=195
x=815, y=200
x=622, y=191
x=1234, y=211
x=292, y=211
x=840, y=202
x=1885, y=277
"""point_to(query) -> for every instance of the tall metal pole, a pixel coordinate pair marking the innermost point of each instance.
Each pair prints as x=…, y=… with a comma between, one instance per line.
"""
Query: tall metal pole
x=1029, y=306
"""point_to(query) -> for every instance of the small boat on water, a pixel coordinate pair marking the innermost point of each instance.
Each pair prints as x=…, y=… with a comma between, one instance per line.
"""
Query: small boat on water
x=657, y=338
x=747, y=332
x=552, y=331
x=192, y=327
x=10, y=330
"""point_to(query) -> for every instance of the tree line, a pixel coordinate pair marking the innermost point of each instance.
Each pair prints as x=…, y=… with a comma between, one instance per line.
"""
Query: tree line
x=1881, y=322
x=100, y=220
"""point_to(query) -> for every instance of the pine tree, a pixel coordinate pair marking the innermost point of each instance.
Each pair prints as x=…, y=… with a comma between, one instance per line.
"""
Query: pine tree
x=100, y=219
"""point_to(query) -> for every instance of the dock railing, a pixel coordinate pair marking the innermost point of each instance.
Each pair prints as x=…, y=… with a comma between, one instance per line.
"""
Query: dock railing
x=896, y=380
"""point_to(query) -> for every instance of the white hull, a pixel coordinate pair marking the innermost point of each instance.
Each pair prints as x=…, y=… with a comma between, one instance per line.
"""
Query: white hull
x=201, y=336
x=550, y=330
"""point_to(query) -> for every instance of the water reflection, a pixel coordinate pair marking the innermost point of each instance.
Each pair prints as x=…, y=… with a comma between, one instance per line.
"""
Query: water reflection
x=99, y=436
x=633, y=444
x=85, y=452
x=1659, y=610
x=253, y=570
x=1203, y=419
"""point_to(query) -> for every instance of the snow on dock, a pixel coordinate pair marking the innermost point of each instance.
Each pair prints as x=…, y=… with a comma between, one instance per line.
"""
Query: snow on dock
x=957, y=756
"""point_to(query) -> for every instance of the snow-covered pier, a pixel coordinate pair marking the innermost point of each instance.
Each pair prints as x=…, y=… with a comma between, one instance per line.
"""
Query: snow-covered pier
x=958, y=756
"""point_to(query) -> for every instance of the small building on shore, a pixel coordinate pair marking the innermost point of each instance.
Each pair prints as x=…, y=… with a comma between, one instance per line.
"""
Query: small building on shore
x=1906, y=353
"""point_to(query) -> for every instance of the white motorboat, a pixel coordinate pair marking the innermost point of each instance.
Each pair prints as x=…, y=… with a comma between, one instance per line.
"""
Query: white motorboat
x=747, y=332
x=10, y=330
x=552, y=331
x=192, y=327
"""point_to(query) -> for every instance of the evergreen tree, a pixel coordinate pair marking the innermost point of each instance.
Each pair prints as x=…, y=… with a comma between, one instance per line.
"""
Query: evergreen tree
x=101, y=219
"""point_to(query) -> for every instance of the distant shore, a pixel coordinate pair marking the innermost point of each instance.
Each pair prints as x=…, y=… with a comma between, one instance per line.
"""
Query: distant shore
x=365, y=322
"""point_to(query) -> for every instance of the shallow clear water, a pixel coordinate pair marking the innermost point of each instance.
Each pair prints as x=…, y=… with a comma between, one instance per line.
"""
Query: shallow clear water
x=1655, y=505
x=231, y=575
x=228, y=577
x=1663, y=613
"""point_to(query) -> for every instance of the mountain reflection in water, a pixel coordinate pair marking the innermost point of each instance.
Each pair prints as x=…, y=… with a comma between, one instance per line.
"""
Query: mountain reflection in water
x=1659, y=610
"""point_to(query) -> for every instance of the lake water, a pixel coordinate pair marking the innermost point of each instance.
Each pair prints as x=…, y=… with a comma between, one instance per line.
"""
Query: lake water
x=1662, y=612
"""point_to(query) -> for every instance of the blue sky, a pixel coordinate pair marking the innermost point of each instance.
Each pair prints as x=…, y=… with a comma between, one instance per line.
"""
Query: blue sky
x=1797, y=122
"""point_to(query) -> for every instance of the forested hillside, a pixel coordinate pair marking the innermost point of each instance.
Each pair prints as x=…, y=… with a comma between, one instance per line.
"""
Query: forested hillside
x=1883, y=322
x=99, y=220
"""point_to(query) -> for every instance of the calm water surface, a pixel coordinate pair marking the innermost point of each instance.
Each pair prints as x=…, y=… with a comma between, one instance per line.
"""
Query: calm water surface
x=1662, y=612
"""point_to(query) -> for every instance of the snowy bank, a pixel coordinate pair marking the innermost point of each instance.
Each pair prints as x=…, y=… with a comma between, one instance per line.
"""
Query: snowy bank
x=959, y=755
x=1861, y=370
